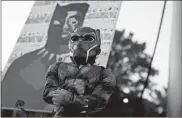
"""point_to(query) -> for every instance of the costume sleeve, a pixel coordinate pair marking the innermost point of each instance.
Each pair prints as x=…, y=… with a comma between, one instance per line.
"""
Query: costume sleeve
x=52, y=82
x=101, y=95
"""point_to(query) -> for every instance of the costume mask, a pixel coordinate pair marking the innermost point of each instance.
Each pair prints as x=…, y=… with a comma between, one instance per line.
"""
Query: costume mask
x=84, y=45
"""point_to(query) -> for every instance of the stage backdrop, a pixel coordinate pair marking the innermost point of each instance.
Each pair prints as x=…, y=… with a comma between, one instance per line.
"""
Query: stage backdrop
x=44, y=40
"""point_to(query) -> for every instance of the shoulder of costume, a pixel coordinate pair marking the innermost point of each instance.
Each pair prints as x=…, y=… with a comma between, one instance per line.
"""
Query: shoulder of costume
x=100, y=66
x=62, y=62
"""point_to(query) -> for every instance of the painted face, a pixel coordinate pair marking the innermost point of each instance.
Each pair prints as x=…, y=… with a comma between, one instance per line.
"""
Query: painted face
x=65, y=20
x=84, y=44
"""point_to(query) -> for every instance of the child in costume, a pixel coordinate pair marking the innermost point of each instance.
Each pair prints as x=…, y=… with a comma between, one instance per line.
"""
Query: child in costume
x=80, y=87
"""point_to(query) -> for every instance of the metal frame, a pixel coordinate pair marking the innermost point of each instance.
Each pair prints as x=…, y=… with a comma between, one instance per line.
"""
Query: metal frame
x=175, y=64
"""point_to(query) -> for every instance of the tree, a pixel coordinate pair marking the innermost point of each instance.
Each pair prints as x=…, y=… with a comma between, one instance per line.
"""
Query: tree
x=128, y=61
x=130, y=64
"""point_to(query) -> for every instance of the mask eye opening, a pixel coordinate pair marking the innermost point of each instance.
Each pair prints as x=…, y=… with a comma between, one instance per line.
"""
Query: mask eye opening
x=74, y=38
x=89, y=38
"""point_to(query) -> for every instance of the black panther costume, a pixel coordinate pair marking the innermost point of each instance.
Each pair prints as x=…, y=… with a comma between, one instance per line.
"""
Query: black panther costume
x=80, y=87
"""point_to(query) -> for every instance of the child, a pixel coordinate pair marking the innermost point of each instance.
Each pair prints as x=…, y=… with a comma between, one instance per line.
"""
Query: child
x=80, y=87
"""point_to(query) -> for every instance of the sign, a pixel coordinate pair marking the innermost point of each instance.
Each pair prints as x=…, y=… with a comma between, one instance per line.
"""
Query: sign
x=44, y=40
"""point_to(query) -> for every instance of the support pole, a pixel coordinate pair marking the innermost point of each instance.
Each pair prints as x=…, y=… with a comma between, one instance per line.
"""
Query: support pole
x=175, y=64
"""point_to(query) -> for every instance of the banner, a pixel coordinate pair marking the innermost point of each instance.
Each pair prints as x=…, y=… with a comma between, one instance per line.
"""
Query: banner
x=44, y=40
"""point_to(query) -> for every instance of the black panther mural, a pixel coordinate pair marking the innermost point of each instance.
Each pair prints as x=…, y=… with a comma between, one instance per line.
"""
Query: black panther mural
x=25, y=78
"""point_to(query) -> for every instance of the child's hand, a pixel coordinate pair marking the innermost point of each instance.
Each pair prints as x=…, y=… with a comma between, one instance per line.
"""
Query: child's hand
x=79, y=86
x=62, y=97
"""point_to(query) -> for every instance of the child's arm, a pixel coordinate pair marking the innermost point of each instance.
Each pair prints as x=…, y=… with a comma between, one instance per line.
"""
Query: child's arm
x=52, y=82
x=100, y=97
